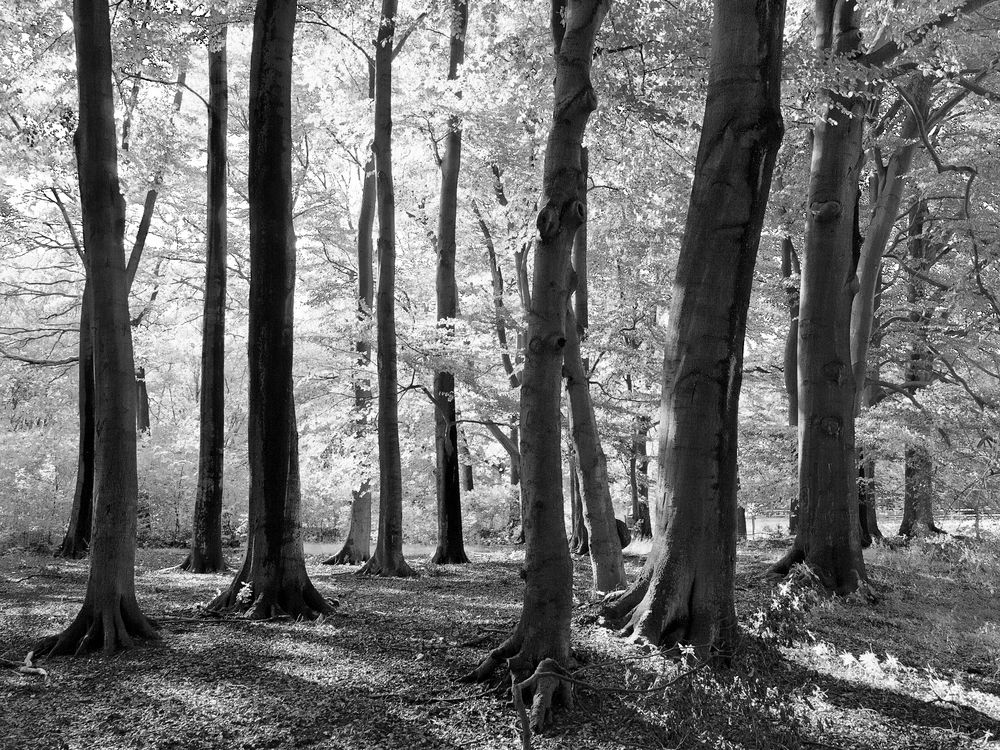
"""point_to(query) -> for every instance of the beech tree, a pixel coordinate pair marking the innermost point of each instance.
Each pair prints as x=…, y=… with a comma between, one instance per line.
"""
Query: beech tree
x=828, y=537
x=110, y=617
x=272, y=579
x=591, y=465
x=206, y=542
x=450, y=546
x=388, y=558
x=541, y=639
x=685, y=594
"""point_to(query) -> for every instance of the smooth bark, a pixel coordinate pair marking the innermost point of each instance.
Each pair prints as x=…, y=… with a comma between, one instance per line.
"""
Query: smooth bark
x=685, y=594
x=388, y=558
x=450, y=545
x=542, y=635
x=110, y=617
x=272, y=579
x=828, y=534
x=205, y=555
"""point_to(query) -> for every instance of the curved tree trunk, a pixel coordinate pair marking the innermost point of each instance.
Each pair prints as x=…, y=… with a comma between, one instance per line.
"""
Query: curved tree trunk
x=388, y=558
x=685, y=594
x=828, y=535
x=272, y=579
x=579, y=540
x=76, y=542
x=542, y=635
x=451, y=546
x=592, y=465
x=206, y=543
x=110, y=617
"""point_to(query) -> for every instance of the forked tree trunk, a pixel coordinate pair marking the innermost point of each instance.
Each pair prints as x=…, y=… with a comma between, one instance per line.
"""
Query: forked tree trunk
x=542, y=635
x=592, y=465
x=357, y=546
x=685, y=594
x=110, y=617
x=388, y=558
x=76, y=542
x=450, y=546
x=272, y=579
x=828, y=535
x=206, y=542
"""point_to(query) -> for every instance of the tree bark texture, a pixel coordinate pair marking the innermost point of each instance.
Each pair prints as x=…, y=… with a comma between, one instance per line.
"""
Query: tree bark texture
x=450, y=546
x=543, y=630
x=592, y=465
x=110, y=617
x=918, y=488
x=685, y=594
x=579, y=540
x=206, y=543
x=828, y=534
x=388, y=558
x=76, y=542
x=357, y=545
x=272, y=579
x=790, y=274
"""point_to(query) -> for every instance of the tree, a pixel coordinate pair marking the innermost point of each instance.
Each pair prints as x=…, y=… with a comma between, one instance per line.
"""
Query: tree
x=591, y=464
x=541, y=639
x=828, y=536
x=272, y=579
x=110, y=617
x=450, y=547
x=388, y=558
x=206, y=543
x=685, y=594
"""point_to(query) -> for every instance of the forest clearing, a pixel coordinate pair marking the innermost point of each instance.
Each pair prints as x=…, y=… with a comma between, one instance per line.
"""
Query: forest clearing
x=461, y=374
x=919, y=670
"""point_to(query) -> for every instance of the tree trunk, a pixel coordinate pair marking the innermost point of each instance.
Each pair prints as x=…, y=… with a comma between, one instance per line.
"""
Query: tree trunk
x=465, y=461
x=206, y=543
x=357, y=546
x=579, y=541
x=592, y=465
x=918, y=488
x=638, y=474
x=828, y=535
x=685, y=594
x=789, y=269
x=272, y=579
x=141, y=401
x=542, y=635
x=110, y=617
x=388, y=558
x=741, y=522
x=451, y=546
x=592, y=469
x=76, y=542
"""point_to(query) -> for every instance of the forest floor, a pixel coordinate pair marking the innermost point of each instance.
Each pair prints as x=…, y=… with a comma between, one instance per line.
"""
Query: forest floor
x=917, y=669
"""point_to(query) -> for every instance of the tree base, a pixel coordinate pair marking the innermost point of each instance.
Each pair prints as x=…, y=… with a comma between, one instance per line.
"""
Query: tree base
x=72, y=549
x=299, y=601
x=348, y=555
x=842, y=581
x=920, y=529
x=668, y=621
x=447, y=556
x=110, y=628
x=395, y=567
x=579, y=546
x=202, y=566
x=543, y=679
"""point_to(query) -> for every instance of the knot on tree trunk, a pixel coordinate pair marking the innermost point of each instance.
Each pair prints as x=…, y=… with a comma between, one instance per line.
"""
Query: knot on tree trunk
x=834, y=370
x=548, y=223
x=554, y=342
x=825, y=210
x=830, y=425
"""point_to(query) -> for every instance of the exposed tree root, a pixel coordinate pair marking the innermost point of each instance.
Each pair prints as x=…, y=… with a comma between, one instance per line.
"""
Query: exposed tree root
x=547, y=681
x=348, y=555
x=299, y=601
x=394, y=567
x=110, y=628
x=450, y=557
x=26, y=667
x=921, y=529
x=842, y=582
x=188, y=566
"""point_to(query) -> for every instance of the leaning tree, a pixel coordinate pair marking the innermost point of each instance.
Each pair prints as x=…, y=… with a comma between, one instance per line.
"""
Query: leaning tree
x=685, y=594
x=540, y=642
x=110, y=617
x=272, y=579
